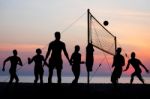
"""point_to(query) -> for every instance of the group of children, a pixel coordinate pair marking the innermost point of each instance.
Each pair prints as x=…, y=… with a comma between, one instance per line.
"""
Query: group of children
x=15, y=60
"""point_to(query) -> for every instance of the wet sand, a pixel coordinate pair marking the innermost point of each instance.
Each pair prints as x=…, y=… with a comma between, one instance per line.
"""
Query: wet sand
x=78, y=91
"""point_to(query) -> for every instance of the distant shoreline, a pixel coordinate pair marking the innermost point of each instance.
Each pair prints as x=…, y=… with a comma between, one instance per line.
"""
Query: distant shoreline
x=68, y=79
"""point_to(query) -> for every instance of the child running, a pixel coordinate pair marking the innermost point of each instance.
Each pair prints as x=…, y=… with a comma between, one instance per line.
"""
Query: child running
x=14, y=60
x=38, y=69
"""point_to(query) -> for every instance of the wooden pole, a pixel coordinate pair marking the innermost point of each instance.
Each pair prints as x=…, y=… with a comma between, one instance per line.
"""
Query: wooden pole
x=88, y=29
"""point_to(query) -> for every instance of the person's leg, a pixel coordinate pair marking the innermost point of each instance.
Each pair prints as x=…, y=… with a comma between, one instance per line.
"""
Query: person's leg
x=118, y=75
x=41, y=76
x=74, y=75
x=113, y=78
x=11, y=78
x=36, y=76
x=50, y=75
x=59, y=75
x=132, y=77
x=16, y=77
x=77, y=75
x=140, y=78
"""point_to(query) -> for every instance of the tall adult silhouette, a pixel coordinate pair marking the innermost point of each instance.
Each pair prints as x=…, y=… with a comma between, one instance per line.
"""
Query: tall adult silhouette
x=136, y=63
x=89, y=59
x=14, y=60
x=38, y=68
x=118, y=63
x=55, y=61
x=75, y=61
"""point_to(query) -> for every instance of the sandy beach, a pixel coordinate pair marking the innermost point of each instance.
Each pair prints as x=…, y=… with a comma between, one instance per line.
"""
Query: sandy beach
x=81, y=90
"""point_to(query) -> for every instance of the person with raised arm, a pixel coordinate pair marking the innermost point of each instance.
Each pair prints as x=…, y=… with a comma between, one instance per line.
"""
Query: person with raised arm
x=136, y=63
x=14, y=61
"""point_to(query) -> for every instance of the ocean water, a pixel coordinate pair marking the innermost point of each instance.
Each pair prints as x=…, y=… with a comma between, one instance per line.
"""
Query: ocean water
x=101, y=79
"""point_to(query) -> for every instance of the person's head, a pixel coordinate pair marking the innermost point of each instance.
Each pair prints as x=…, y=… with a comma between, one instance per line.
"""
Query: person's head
x=118, y=51
x=77, y=48
x=15, y=52
x=57, y=35
x=38, y=51
x=90, y=45
x=133, y=55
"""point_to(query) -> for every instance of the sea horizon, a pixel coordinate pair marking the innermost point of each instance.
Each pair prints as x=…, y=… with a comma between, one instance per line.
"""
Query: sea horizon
x=82, y=79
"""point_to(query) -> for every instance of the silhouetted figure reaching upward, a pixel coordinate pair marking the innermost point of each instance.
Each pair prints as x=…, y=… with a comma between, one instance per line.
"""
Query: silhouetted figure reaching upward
x=14, y=60
x=38, y=69
x=118, y=63
x=136, y=63
x=55, y=61
x=75, y=62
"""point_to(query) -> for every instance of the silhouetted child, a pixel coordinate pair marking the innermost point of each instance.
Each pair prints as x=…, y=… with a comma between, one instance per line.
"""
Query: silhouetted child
x=136, y=63
x=118, y=63
x=75, y=62
x=38, y=69
x=14, y=60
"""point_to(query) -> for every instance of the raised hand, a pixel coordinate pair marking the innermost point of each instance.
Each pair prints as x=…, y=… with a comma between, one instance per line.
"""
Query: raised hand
x=147, y=70
x=3, y=69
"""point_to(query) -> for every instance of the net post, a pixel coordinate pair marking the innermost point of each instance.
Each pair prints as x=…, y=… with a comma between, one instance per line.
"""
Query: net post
x=88, y=31
x=88, y=78
x=115, y=44
x=88, y=25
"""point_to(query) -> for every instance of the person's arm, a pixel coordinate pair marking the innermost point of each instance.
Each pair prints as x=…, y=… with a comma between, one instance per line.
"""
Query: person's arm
x=144, y=67
x=127, y=66
x=45, y=63
x=113, y=64
x=20, y=62
x=65, y=52
x=71, y=60
x=81, y=62
x=3, y=69
x=123, y=62
x=48, y=52
x=30, y=60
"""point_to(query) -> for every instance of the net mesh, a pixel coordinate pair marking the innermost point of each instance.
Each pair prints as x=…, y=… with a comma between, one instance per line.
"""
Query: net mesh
x=100, y=37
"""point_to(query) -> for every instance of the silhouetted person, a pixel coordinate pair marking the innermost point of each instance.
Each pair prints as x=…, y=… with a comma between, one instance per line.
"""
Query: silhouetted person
x=55, y=61
x=136, y=63
x=89, y=57
x=75, y=62
x=14, y=60
x=38, y=68
x=89, y=60
x=118, y=63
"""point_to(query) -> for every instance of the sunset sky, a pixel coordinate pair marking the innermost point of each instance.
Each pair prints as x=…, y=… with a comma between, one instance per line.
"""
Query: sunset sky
x=29, y=24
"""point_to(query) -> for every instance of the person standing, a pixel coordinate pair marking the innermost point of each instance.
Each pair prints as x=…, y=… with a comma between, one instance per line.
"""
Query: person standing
x=55, y=61
x=75, y=62
x=118, y=63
